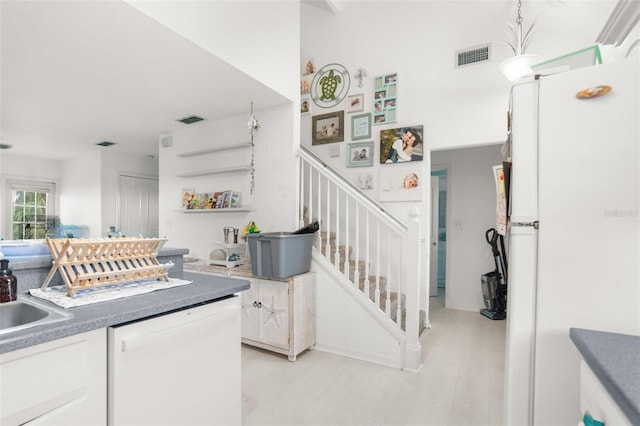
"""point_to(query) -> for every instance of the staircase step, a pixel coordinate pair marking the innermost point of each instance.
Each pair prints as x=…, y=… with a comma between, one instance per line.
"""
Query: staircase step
x=333, y=249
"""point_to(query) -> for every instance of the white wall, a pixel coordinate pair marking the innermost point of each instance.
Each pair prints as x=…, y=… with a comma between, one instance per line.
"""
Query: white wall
x=260, y=38
x=471, y=203
x=273, y=202
x=269, y=51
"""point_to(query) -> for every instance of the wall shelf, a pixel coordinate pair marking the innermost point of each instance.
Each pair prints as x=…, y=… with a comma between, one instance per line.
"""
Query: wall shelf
x=216, y=149
x=224, y=210
x=243, y=168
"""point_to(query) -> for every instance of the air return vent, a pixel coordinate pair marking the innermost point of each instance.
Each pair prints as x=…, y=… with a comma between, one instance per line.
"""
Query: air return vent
x=190, y=119
x=472, y=55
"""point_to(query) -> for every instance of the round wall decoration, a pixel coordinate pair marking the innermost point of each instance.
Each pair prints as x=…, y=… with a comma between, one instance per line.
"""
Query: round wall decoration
x=330, y=85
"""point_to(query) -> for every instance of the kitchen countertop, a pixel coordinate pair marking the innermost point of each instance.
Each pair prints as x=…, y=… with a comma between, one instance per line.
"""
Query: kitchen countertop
x=614, y=358
x=205, y=288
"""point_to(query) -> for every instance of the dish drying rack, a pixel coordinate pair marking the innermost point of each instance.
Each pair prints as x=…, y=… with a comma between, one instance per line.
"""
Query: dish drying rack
x=85, y=263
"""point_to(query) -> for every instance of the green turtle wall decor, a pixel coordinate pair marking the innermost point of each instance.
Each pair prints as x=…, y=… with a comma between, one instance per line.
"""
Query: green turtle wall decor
x=330, y=85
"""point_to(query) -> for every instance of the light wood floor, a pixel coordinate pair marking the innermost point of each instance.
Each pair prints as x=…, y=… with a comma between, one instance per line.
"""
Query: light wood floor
x=461, y=381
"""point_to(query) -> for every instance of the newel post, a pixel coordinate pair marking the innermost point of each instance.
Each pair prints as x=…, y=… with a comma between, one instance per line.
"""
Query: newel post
x=412, y=267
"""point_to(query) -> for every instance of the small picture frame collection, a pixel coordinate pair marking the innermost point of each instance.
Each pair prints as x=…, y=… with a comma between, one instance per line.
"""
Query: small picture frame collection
x=400, y=184
x=385, y=99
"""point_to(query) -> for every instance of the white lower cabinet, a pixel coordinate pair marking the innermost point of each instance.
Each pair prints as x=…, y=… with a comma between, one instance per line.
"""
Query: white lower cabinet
x=596, y=401
x=280, y=315
x=181, y=368
x=62, y=382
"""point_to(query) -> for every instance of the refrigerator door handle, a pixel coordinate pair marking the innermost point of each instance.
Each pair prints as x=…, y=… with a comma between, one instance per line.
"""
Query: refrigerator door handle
x=535, y=224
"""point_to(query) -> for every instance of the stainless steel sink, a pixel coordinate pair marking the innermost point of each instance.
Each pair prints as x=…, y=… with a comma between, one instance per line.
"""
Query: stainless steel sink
x=22, y=314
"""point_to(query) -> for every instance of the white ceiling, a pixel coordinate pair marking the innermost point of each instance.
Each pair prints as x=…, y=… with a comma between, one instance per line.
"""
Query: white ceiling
x=77, y=73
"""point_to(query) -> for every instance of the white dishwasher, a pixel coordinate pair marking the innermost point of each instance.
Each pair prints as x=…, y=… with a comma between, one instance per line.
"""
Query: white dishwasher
x=182, y=368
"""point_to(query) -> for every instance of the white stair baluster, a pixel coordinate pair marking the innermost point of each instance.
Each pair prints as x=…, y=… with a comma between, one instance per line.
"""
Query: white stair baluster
x=336, y=260
x=377, y=292
x=347, y=231
x=356, y=270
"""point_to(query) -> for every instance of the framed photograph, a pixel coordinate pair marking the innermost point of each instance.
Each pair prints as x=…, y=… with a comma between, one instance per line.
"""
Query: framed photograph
x=308, y=67
x=385, y=99
x=305, y=85
x=360, y=154
x=365, y=180
x=355, y=103
x=327, y=128
x=401, y=145
x=403, y=183
x=304, y=105
x=361, y=126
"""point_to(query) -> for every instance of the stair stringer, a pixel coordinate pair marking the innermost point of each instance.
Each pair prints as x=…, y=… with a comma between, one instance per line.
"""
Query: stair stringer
x=349, y=324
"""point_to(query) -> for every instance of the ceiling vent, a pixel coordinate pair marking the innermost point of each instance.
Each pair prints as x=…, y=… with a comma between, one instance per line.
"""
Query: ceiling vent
x=190, y=119
x=472, y=55
x=105, y=143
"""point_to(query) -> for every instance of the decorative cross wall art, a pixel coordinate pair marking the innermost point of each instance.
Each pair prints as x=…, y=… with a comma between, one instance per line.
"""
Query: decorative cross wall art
x=385, y=99
x=330, y=85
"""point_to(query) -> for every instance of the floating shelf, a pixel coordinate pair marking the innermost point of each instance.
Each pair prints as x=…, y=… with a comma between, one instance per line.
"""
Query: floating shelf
x=216, y=149
x=223, y=210
x=244, y=168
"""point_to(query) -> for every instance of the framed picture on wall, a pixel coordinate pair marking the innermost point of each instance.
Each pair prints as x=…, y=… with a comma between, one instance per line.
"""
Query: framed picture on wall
x=327, y=128
x=385, y=99
x=355, y=103
x=304, y=105
x=402, y=183
x=401, y=145
x=361, y=126
x=360, y=154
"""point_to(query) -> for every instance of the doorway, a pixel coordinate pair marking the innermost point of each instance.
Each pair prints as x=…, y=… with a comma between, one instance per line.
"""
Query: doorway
x=439, y=219
x=138, y=206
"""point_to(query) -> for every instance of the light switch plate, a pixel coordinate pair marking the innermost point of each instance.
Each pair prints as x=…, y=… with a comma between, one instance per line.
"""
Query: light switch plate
x=334, y=151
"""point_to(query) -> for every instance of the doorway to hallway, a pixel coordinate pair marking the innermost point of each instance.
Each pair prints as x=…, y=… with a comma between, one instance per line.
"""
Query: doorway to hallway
x=439, y=219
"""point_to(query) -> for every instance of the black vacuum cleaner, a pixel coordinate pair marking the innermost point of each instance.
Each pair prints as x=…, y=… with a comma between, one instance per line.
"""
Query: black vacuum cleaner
x=494, y=283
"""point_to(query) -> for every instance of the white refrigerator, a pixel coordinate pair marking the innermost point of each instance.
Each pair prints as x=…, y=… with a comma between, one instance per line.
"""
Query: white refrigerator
x=574, y=232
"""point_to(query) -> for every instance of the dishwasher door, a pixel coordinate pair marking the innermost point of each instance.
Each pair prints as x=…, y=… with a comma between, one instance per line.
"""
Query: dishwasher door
x=182, y=368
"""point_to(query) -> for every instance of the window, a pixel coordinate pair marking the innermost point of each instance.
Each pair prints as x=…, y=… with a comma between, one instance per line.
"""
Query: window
x=32, y=205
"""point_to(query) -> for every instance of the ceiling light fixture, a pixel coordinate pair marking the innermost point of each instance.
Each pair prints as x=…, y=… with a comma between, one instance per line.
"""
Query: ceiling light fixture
x=519, y=66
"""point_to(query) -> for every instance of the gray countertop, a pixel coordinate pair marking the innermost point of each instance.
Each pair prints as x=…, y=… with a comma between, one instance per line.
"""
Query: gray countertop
x=205, y=288
x=615, y=360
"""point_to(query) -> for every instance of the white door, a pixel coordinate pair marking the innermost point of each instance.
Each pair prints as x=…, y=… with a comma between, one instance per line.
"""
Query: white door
x=433, y=238
x=138, y=207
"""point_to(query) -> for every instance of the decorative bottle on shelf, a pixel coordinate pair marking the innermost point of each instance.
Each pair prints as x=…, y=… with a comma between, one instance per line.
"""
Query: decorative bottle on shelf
x=8, y=283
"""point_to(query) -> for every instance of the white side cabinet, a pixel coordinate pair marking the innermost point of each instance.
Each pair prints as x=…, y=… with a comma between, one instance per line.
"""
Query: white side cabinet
x=62, y=382
x=182, y=368
x=280, y=315
x=596, y=401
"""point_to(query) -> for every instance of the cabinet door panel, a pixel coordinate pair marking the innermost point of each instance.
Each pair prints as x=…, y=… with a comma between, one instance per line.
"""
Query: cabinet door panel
x=248, y=299
x=72, y=393
x=274, y=313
